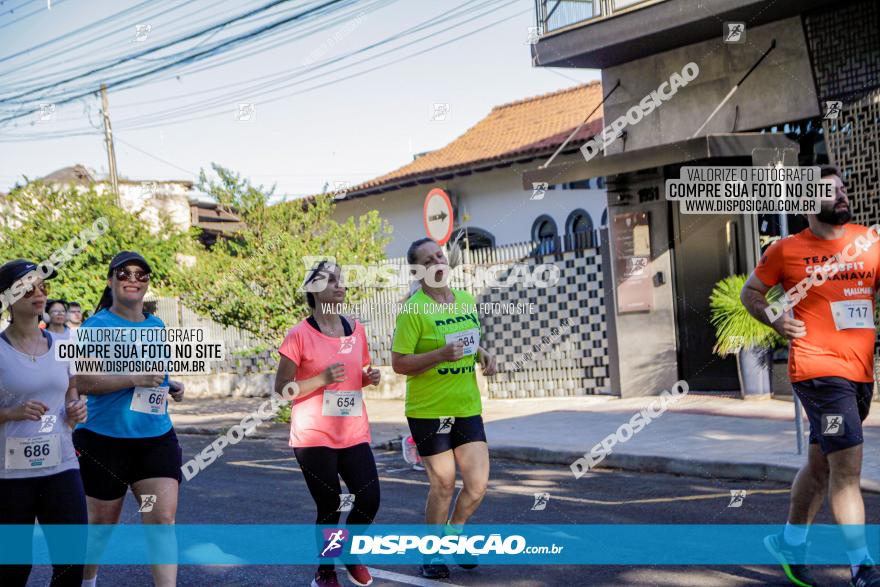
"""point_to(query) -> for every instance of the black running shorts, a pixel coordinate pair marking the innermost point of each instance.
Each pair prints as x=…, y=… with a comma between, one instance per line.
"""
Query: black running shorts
x=436, y=435
x=836, y=408
x=109, y=465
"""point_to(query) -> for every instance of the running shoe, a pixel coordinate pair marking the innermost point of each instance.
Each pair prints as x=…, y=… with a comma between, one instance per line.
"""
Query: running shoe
x=418, y=467
x=435, y=569
x=784, y=552
x=326, y=578
x=359, y=575
x=868, y=576
x=466, y=561
x=410, y=451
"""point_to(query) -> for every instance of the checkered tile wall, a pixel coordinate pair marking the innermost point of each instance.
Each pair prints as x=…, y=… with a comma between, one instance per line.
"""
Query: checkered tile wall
x=559, y=350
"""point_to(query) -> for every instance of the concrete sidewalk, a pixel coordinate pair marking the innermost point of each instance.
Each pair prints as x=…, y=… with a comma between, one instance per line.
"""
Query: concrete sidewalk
x=699, y=435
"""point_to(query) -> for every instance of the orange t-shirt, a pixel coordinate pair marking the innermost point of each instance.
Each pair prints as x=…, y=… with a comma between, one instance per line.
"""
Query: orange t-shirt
x=838, y=343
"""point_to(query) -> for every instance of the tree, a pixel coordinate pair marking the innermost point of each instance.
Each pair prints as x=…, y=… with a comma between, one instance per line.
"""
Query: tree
x=39, y=220
x=252, y=281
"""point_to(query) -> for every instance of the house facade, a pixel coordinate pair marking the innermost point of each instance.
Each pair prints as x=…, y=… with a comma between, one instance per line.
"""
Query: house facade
x=183, y=205
x=784, y=88
x=481, y=172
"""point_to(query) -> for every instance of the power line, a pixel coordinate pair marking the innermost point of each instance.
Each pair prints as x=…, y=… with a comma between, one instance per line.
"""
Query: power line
x=29, y=14
x=167, y=117
x=284, y=77
x=189, y=58
x=150, y=50
x=61, y=57
x=156, y=157
x=214, y=50
x=14, y=8
x=270, y=79
x=64, y=52
x=288, y=38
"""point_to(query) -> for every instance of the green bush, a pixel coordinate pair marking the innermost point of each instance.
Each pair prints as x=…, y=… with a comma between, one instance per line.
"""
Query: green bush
x=283, y=415
x=253, y=281
x=39, y=219
x=735, y=328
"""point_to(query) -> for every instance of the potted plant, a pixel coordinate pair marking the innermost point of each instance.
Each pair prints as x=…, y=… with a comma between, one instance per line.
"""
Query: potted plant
x=737, y=332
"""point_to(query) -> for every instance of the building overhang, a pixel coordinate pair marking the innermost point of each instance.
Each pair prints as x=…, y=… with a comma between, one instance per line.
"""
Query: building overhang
x=714, y=146
x=654, y=28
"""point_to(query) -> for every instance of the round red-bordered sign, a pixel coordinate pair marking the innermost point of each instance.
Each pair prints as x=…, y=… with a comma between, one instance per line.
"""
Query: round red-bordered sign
x=437, y=216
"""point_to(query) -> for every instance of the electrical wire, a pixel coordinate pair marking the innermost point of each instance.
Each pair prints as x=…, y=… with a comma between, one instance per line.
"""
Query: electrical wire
x=149, y=120
x=275, y=80
x=89, y=27
x=149, y=51
x=28, y=15
x=202, y=54
x=188, y=57
x=167, y=116
x=156, y=157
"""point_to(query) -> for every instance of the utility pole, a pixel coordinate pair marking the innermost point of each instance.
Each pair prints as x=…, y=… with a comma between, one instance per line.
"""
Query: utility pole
x=108, y=141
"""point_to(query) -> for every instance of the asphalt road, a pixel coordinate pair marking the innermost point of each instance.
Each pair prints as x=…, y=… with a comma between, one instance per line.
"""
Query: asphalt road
x=258, y=482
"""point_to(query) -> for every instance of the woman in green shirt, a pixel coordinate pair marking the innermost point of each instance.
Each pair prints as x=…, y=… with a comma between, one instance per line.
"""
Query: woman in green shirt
x=437, y=345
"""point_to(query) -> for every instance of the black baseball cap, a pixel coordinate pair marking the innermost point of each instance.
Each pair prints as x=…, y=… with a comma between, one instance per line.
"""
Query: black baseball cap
x=124, y=258
x=14, y=270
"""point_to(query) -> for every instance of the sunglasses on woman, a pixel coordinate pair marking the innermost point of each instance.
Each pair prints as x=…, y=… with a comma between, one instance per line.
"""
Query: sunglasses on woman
x=29, y=292
x=126, y=275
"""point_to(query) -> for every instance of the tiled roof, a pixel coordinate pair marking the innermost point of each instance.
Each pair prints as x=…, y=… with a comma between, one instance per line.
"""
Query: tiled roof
x=80, y=175
x=518, y=130
x=75, y=174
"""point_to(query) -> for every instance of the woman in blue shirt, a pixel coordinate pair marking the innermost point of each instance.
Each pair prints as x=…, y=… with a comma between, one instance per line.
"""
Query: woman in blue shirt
x=128, y=440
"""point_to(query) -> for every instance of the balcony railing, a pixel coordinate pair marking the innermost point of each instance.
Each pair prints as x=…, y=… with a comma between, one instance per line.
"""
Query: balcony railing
x=558, y=14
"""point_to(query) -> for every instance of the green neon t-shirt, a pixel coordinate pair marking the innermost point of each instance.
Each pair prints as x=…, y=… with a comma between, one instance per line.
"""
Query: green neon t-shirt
x=447, y=389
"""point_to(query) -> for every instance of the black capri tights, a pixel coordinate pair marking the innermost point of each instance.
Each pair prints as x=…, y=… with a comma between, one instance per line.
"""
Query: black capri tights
x=323, y=466
x=52, y=499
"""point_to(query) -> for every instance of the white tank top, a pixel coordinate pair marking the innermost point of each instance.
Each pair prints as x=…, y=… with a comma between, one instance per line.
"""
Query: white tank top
x=24, y=443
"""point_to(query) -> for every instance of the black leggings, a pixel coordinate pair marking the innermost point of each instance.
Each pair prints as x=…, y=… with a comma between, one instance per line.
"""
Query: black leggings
x=52, y=499
x=323, y=466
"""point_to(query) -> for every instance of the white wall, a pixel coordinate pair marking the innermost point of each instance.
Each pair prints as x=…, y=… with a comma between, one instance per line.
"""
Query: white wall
x=493, y=201
x=151, y=197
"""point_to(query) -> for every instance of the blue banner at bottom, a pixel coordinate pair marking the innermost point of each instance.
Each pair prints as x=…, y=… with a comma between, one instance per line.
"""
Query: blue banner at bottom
x=213, y=544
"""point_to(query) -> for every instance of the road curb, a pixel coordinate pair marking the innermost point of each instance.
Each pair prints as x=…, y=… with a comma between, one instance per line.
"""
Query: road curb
x=666, y=465
x=269, y=434
x=617, y=461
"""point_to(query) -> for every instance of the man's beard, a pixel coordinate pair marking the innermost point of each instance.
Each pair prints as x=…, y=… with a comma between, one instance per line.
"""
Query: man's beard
x=834, y=217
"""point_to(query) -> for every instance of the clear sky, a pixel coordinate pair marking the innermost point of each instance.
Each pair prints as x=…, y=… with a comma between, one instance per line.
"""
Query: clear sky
x=351, y=130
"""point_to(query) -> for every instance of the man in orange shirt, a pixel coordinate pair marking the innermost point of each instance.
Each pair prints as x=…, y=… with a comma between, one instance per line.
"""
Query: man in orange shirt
x=830, y=274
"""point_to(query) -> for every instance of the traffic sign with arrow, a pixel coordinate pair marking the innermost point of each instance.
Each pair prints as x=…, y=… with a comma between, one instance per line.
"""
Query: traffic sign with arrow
x=438, y=216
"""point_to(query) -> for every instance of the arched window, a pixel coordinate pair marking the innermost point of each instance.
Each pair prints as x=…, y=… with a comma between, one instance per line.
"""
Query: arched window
x=604, y=217
x=465, y=243
x=579, y=230
x=477, y=238
x=544, y=231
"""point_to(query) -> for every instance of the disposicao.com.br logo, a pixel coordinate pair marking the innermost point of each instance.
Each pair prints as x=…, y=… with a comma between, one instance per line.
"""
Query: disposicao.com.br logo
x=478, y=544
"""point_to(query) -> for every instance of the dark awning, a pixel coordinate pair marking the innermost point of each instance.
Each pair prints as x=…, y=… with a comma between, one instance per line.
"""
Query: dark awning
x=697, y=149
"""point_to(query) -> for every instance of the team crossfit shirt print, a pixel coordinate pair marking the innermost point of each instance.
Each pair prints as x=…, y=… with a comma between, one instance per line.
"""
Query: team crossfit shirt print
x=311, y=423
x=447, y=389
x=837, y=344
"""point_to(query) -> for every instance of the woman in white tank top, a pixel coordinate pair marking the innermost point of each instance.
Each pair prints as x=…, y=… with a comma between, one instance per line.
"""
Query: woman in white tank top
x=39, y=404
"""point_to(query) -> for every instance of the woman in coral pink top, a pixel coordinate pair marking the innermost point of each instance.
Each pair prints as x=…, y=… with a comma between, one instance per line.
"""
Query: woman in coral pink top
x=326, y=355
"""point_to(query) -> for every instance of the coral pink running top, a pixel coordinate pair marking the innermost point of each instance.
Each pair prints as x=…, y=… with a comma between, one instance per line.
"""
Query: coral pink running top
x=334, y=415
